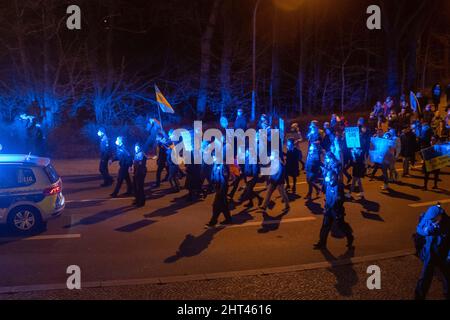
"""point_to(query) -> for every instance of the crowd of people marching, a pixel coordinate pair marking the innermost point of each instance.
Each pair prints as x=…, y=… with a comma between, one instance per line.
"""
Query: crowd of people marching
x=331, y=167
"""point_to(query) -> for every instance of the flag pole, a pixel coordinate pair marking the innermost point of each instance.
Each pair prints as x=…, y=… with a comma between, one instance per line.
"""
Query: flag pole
x=159, y=113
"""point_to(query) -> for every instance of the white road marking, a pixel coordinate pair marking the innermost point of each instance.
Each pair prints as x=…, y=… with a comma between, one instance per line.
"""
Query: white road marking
x=44, y=237
x=98, y=200
x=429, y=203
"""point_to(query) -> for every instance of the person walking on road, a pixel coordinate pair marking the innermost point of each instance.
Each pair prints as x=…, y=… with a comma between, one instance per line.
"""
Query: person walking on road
x=161, y=160
x=219, y=179
x=276, y=181
x=293, y=158
x=139, y=173
x=105, y=156
x=125, y=162
x=433, y=248
x=408, y=142
x=358, y=164
x=334, y=211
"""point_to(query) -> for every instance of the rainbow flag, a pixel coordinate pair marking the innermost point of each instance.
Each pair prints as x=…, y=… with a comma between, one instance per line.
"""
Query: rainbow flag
x=162, y=101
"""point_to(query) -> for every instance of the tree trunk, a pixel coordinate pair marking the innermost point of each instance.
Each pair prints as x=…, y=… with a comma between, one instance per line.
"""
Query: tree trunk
x=225, y=72
x=47, y=111
x=21, y=46
x=301, y=67
x=275, y=74
x=392, y=67
x=367, y=80
x=206, y=60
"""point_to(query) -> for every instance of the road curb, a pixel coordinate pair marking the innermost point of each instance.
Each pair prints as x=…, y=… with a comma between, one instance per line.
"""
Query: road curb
x=212, y=276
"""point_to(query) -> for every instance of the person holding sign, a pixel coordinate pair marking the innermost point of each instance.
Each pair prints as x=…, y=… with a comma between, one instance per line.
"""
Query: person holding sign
x=358, y=171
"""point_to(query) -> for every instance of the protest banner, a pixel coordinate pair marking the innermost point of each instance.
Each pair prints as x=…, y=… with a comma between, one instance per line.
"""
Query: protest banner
x=436, y=157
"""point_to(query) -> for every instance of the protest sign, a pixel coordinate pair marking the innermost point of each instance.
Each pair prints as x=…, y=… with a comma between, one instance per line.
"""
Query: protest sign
x=352, y=137
x=380, y=149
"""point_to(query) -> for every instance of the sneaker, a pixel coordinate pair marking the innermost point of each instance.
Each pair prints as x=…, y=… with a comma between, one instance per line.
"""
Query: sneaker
x=209, y=226
x=384, y=187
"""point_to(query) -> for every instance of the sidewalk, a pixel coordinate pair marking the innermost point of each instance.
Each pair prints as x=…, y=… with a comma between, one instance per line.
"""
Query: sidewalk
x=398, y=279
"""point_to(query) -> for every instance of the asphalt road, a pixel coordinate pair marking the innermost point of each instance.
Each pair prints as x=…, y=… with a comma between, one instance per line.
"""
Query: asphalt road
x=111, y=240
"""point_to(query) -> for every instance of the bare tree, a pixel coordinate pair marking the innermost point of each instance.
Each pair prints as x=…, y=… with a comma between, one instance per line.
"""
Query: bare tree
x=206, y=59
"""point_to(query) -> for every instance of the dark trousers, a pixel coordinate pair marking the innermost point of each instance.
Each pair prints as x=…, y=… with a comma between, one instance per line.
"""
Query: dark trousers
x=235, y=185
x=432, y=262
x=384, y=168
x=427, y=177
x=220, y=205
x=270, y=189
x=173, y=178
x=375, y=167
x=159, y=171
x=103, y=168
x=345, y=171
x=328, y=223
x=139, y=193
x=249, y=191
x=407, y=162
x=312, y=184
x=123, y=175
x=294, y=182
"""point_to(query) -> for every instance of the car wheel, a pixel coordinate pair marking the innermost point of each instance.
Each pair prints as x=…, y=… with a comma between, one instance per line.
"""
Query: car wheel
x=24, y=219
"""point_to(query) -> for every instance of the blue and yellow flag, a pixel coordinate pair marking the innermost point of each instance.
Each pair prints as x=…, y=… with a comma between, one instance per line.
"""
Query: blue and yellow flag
x=162, y=101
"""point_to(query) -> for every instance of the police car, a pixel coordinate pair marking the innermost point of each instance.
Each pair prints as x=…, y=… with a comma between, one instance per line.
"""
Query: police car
x=30, y=192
